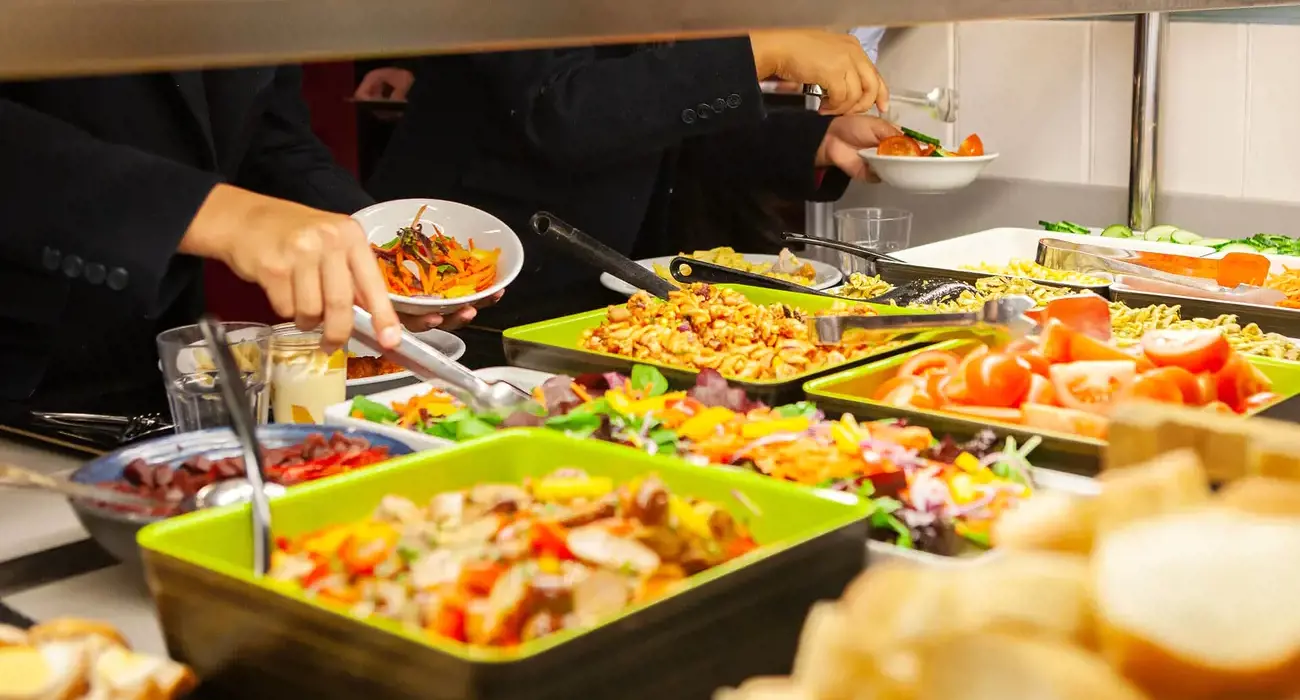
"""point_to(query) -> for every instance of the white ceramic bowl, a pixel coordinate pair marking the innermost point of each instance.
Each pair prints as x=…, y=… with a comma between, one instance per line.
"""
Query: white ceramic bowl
x=442, y=341
x=927, y=175
x=460, y=221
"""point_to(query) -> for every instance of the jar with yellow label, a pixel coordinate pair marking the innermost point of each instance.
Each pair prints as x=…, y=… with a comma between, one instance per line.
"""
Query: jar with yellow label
x=304, y=380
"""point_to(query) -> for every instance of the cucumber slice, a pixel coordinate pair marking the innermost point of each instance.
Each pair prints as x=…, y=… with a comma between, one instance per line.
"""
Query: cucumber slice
x=923, y=138
x=1268, y=251
x=1117, y=231
x=1159, y=233
x=1213, y=242
x=940, y=153
x=1184, y=237
x=1239, y=248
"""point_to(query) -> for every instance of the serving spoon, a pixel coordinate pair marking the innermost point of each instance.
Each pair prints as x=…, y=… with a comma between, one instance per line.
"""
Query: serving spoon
x=218, y=493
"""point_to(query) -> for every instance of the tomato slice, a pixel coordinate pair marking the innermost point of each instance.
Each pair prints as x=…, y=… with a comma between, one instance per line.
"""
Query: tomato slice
x=926, y=149
x=1092, y=386
x=888, y=387
x=1154, y=386
x=1041, y=391
x=1065, y=420
x=1085, y=348
x=906, y=392
x=1261, y=401
x=1194, y=351
x=930, y=362
x=898, y=146
x=971, y=146
x=971, y=358
x=1021, y=345
x=1055, y=343
x=1209, y=385
x=1037, y=363
x=947, y=389
x=1189, y=385
x=1238, y=381
x=987, y=413
x=1088, y=314
x=998, y=379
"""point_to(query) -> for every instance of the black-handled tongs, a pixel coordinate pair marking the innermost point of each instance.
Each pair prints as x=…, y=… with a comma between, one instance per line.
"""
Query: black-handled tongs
x=598, y=255
x=841, y=246
x=689, y=271
x=1006, y=315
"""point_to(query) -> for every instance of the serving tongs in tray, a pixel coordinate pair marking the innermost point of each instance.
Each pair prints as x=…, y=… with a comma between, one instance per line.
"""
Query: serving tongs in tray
x=586, y=249
x=1004, y=316
x=100, y=428
x=1236, y=277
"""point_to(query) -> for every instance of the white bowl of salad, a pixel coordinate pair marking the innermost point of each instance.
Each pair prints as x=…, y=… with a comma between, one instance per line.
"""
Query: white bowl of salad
x=918, y=162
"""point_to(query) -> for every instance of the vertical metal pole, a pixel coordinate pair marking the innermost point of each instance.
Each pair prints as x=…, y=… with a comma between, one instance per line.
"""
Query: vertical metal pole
x=1148, y=54
x=819, y=217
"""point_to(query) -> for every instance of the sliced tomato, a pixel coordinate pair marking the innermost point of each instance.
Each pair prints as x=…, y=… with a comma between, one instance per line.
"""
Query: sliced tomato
x=930, y=362
x=1041, y=391
x=1194, y=351
x=1065, y=420
x=1209, y=385
x=971, y=146
x=1021, y=345
x=998, y=379
x=898, y=146
x=889, y=386
x=1144, y=362
x=1085, y=348
x=909, y=393
x=1092, y=386
x=1037, y=363
x=1154, y=386
x=1055, y=342
x=1261, y=401
x=1188, y=384
x=1239, y=380
x=947, y=389
x=926, y=149
x=1088, y=314
x=987, y=413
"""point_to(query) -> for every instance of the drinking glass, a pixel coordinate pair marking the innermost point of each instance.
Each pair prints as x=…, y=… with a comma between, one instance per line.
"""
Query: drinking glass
x=191, y=377
x=872, y=228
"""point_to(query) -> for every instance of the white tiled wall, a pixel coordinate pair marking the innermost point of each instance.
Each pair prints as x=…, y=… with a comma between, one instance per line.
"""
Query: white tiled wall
x=1054, y=99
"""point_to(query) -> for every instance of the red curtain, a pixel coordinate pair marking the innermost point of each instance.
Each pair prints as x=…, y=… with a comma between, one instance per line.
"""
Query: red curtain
x=326, y=87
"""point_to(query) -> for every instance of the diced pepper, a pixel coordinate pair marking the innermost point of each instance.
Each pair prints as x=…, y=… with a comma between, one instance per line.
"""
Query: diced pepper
x=968, y=462
x=327, y=542
x=689, y=518
x=758, y=429
x=478, y=577
x=449, y=622
x=963, y=488
x=848, y=438
x=550, y=540
x=702, y=424
x=568, y=488
x=740, y=546
x=618, y=401
x=653, y=404
x=368, y=547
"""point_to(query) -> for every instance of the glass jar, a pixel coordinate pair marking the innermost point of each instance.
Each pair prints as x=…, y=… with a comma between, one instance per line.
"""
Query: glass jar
x=304, y=380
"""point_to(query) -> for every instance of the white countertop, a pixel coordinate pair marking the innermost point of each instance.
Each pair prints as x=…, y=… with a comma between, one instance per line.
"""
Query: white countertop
x=32, y=522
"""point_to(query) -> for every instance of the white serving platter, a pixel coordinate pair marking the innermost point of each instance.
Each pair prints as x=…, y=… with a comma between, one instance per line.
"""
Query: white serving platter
x=827, y=275
x=442, y=341
x=999, y=246
x=338, y=414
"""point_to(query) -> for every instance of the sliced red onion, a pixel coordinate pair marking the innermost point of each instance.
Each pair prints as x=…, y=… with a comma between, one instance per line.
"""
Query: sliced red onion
x=772, y=439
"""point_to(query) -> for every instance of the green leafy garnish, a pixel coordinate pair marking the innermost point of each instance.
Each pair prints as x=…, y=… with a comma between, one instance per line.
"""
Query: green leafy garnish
x=373, y=411
x=649, y=379
x=923, y=138
x=883, y=518
x=805, y=409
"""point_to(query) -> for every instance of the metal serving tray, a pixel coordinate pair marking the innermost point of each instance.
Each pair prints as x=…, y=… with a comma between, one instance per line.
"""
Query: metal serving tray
x=1273, y=319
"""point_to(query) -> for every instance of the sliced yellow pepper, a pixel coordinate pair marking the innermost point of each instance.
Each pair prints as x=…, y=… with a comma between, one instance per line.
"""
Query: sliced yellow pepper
x=758, y=429
x=702, y=424
x=847, y=435
x=689, y=518
x=568, y=488
x=652, y=404
x=968, y=462
x=618, y=401
x=327, y=542
x=963, y=488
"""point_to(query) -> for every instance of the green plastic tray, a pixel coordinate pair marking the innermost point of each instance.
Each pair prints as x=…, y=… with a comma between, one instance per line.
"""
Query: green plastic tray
x=555, y=346
x=845, y=392
x=200, y=573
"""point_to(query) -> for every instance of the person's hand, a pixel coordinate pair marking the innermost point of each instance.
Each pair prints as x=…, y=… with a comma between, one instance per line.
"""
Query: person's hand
x=451, y=321
x=834, y=61
x=385, y=84
x=846, y=136
x=313, y=265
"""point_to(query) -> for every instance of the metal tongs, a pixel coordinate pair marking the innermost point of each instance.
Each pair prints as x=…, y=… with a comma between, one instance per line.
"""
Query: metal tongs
x=1127, y=266
x=430, y=365
x=1005, y=315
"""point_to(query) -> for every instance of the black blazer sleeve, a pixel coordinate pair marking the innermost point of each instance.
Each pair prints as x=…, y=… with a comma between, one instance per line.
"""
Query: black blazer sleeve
x=777, y=155
x=581, y=110
x=286, y=160
x=71, y=201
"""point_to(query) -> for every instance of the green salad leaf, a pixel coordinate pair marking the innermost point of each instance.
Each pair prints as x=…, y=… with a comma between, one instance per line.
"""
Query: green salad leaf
x=804, y=409
x=373, y=411
x=649, y=379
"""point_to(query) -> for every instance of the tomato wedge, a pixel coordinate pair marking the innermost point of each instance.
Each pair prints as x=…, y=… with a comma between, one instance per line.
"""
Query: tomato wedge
x=1037, y=363
x=1021, y=345
x=1085, y=348
x=1092, y=386
x=987, y=413
x=909, y=392
x=1238, y=381
x=1088, y=314
x=1065, y=420
x=1055, y=343
x=1154, y=386
x=898, y=146
x=929, y=362
x=947, y=389
x=1194, y=351
x=972, y=145
x=1041, y=391
x=998, y=379
x=1188, y=384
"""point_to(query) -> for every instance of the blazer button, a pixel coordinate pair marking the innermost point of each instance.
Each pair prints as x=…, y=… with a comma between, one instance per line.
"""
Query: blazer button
x=704, y=110
x=733, y=100
x=688, y=116
x=95, y=273
x=719, y=104
x=117, y=279
x=51, y=259
x=72, y=266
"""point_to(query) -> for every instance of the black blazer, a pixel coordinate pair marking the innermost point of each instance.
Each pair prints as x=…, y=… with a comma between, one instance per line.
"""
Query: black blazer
x=591, y=134
x=99, y=180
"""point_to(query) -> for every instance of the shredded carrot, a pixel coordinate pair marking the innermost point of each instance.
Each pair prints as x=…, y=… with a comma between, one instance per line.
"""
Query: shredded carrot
x=415, y=264
x=419, y=409
x=1289, y=284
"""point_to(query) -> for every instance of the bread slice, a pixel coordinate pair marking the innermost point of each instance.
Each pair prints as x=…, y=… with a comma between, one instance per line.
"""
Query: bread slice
x=54, y=671
x=119, y=674
x=1170, y=483
x=982, y=666
x=889, y=601
x=1052, y=521
x=72, y=629
x=1262, y=496
x=1202, y=604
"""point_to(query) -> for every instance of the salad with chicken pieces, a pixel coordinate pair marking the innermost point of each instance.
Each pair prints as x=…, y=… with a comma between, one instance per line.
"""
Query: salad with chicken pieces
x=502, y=564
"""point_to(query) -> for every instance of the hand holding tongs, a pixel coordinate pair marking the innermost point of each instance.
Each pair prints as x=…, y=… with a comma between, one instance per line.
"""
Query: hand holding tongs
x=1000, y=315
x=430, y=365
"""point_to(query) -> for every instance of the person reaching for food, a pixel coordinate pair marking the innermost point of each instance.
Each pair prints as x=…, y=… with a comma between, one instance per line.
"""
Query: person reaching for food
x=592, y=134
x=117, y=188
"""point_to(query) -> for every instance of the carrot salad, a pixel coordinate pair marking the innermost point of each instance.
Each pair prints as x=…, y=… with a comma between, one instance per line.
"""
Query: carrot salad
x=418, y=265
x=1289, y=284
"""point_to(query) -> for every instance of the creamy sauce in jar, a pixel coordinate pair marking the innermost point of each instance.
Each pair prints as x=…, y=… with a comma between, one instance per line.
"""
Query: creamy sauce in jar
x=304, y=380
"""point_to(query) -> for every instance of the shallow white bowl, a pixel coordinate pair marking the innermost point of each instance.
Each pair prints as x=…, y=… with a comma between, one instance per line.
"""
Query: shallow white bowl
x=927, y=175
x=460, y=221
x=442, y=341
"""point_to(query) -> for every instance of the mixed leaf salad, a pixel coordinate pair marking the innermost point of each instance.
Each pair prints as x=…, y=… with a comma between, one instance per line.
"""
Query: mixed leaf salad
x=933, y=495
